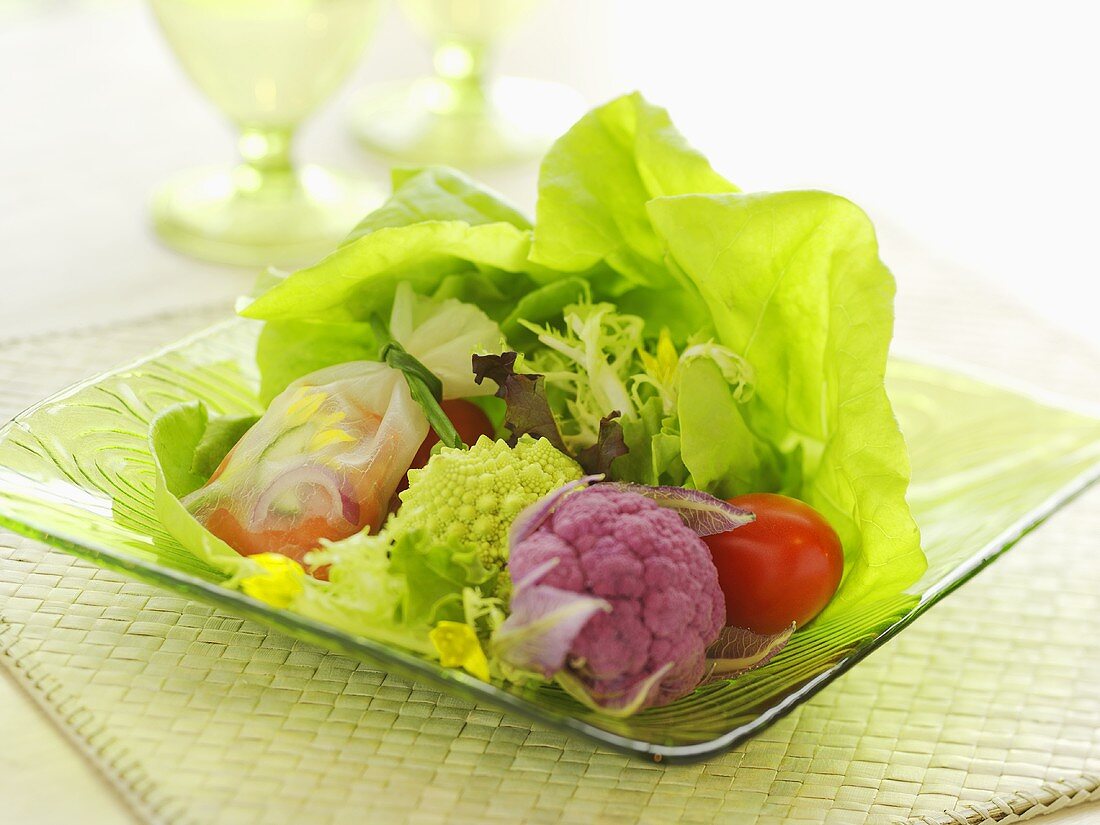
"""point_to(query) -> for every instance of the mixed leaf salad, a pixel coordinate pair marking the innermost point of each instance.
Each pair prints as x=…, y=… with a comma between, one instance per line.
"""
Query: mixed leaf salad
x=629, y=448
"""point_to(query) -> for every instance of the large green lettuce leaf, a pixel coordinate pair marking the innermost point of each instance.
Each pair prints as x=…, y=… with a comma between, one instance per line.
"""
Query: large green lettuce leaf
x=437, y=224
x=594, y=184
x=716, y=446
x=287, y=350
x=794, y=284
x=438, y=193
x=359, y=278
x=441, y=231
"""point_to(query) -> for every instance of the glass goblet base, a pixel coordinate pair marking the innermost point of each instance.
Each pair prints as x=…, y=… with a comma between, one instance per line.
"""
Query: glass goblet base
x=431, y=121
x=241, y=217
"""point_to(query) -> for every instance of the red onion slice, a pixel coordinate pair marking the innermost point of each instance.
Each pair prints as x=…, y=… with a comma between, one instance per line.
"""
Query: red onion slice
x=351, y=508
x=313, y=475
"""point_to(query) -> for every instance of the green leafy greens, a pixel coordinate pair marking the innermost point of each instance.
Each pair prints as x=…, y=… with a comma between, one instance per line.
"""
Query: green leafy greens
x=741, y=338
x=594, y=184
x=795, y=285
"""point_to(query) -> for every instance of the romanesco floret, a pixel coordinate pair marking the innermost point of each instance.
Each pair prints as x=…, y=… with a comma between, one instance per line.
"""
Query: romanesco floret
x=473, y=496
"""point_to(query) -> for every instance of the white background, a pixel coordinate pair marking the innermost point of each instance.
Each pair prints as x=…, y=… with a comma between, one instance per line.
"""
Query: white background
x=969, y=126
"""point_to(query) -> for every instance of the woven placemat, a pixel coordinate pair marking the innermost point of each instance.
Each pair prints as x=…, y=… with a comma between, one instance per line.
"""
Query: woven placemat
x=986, y=710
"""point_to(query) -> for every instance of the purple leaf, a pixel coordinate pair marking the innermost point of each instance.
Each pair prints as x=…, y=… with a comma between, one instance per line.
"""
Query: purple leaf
x=702, y=512
x=527, y=412
x=609, y=445
x=738, y=650
x=543, y=624
x=531, y=517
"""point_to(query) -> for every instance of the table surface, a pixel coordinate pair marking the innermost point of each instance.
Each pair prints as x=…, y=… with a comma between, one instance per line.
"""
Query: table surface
x=78, y=250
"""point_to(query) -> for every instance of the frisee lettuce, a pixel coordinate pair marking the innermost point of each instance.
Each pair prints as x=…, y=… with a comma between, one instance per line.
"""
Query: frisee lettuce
x=680, y=412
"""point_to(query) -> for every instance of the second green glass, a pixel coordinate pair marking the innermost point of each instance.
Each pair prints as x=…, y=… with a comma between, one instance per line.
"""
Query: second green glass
x=462, y=116
x=266, y=64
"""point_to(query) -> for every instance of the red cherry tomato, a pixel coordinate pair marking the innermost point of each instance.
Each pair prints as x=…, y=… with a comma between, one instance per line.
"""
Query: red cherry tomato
x=782, y=568
x=468, y=419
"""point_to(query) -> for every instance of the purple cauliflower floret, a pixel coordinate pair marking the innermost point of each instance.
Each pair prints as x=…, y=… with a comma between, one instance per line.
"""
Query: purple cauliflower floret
x=615, y=597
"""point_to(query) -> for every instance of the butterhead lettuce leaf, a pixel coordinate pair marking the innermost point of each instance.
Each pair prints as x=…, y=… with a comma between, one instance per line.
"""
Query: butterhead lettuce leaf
x=441, y=231
x=437, y=224
x=360, y=277
x=593, y=186
x=794, y=284
x=289, y=349
x=437, y=193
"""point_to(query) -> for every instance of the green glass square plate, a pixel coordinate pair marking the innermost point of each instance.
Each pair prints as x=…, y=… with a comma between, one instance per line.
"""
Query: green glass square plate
x=989, y=464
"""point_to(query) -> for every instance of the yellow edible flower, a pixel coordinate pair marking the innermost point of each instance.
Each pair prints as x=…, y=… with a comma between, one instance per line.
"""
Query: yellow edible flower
x=458, y=647
x=307, y=401
x=324, y=438
x=279, y=584
x=662, y=367
x=306, y=406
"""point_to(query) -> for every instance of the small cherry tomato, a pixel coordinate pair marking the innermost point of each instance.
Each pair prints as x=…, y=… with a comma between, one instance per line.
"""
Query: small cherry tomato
x=782, y=568
x=470, y=421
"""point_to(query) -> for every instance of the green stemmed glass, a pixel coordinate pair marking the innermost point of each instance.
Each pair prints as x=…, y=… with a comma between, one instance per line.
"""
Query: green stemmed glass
x=462, y=116
x=266, y=64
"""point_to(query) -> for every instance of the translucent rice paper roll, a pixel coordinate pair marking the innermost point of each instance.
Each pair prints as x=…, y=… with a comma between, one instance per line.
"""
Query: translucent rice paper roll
x=325, y=459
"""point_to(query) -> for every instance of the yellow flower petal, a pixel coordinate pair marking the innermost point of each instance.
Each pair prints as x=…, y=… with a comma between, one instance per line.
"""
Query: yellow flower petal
x=304, y=406
x=663, y=366
x=330, y=418
x=279, y=584
x=458, y=647
x=327, y=437
x=667, y=356
x=651, y=364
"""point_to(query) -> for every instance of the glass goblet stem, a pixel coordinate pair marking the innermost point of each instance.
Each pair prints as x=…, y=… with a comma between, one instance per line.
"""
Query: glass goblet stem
x=265, y=152
x=463, y=66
